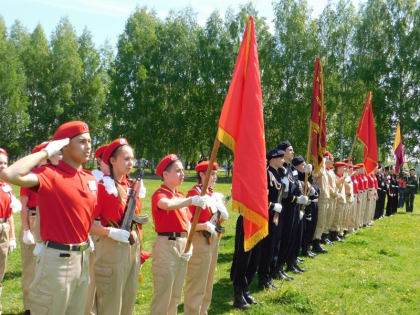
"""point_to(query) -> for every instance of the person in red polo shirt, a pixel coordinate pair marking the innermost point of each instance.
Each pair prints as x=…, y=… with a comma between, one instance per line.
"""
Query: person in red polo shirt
x=29, y=233
x=172, y=224
x=66, y=201
x=103, y=168
x=7, y=228
x=117, y=263
x=201, y=266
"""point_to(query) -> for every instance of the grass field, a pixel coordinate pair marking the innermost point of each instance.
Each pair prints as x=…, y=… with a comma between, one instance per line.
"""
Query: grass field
x=375, y=271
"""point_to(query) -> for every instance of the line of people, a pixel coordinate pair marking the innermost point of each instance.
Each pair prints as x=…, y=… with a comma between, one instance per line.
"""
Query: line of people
x=76, y=259
x=339, y=199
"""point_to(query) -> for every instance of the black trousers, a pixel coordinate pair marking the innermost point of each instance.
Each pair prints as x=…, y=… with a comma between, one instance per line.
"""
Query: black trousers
x=244, y=264
x=269, y=247
x=310, y=221
x=286, y=235
x=409, y=201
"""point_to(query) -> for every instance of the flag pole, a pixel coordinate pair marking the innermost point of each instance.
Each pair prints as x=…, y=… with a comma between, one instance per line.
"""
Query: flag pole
x=352, y=146
x=308, y=152
x=203, y=192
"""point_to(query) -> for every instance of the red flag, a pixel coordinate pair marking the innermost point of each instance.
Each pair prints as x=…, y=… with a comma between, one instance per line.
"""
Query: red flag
x=398, y=150
x=318, y=127
x=367, y=134
x=241, y=128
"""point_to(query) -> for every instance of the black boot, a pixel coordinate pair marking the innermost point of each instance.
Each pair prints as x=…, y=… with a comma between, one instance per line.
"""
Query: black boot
x=317, y=248
x=292, y=268
x=240, y=301
x=334, y=236
x=325, y=240
x=27, y=312
x=248, y=297
x=299, y=268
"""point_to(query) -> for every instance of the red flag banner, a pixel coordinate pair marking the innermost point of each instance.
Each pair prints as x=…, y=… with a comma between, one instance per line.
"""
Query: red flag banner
x=398, y=150
x=241, y=128
x=367, y=134
x=318, y=126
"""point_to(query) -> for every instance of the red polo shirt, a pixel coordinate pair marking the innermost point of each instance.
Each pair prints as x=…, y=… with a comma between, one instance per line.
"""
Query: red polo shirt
x=370, y=182
x=5, y=200
x=31, y=196
x=355, y=184
x=360, y=185
x=111, y=207
x=205, y=214
x=375, y=181
x=66, y=202
x=169, y=220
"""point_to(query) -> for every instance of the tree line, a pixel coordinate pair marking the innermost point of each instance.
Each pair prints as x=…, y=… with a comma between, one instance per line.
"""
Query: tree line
x=164, y=84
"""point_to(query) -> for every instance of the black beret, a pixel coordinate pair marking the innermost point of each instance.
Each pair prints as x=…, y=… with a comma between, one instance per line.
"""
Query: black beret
x=274, y=153
x=298, y=160
x=284, y=145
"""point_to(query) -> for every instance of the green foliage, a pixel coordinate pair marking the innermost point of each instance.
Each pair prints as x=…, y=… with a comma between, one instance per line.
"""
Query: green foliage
x=165, y=87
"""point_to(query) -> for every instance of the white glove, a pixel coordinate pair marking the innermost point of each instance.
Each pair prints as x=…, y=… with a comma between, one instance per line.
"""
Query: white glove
x=119, y=235
x=347, y=179
x=142, y=190
x=277, y=207
x=38, y=248
x=210, y=227
x=55, y=146
x=220, y=205
x=110, y=187
x=91, y=244
x=187, y=256
x=28, y=237
x=15, y=205
x=199, y=201
x=345, y=174
x=300, y=215
x=99, y=175
x=340, y=196
x=12, y=245
x=303, y=200
x=307, y=168
x=312, y=191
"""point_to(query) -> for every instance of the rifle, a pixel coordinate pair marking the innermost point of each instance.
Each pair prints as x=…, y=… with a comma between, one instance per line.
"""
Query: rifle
x=129, y=215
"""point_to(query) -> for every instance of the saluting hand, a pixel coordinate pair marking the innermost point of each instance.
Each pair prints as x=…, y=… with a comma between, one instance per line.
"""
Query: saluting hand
x=55, y=146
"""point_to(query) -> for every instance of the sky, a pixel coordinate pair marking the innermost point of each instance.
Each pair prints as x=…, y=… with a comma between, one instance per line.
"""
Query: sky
x=105, y=19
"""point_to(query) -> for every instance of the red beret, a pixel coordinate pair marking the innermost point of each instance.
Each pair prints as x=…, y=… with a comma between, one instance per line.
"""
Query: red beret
x=110, y=148
x=327, y=154
x=39, y=147
x=70, y=129
x=100, y=151
x=339, y=164
x=3, y=151
x=204, y=165
x=164, y=163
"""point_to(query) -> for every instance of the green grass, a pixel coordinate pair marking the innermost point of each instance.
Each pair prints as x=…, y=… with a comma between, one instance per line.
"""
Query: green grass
x=375, y=271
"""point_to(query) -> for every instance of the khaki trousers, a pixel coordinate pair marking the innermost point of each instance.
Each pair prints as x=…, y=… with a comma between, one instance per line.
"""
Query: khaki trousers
x=61, y=282
x=363, y=204
x=28, y=261
x=200, y=275
x=368, y=210
x=168, y=269
x=117, y=267
x=332, y=203
x=321, y=226
x=91, y=301
x=4, y=249
x=338, y=217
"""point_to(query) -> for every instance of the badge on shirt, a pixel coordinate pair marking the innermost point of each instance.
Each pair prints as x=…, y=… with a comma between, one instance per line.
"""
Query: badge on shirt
x=6, y=188
x=92, y=185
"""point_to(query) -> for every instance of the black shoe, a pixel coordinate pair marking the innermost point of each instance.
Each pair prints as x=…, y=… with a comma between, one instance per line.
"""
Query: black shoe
x=306, y=253
x=278, y=276
x=248, y=297
x=317, y=248
x=264, y=285
x=334, y=237
x=299, y=268
x=286, y=276
x=300, y=260
x=240, y=301
x=291, y=268
x=27, y=312
x=312, y=254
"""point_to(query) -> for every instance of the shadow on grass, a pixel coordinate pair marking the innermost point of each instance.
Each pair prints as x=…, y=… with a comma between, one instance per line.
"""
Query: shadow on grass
x=222, y=300
x=10, y=275
x=225, y=258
